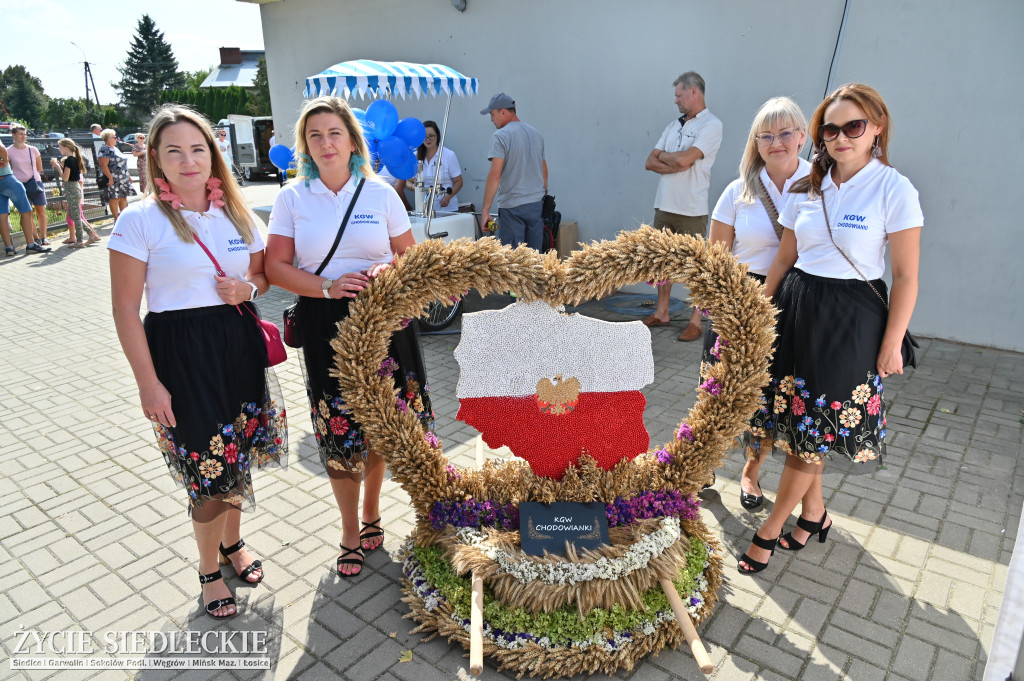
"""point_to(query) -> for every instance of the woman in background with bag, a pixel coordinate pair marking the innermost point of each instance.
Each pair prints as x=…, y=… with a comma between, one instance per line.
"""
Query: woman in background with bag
x=117, y=183
x=745, y=220
x=344, y=226
x=837, y=336
x=199, y=359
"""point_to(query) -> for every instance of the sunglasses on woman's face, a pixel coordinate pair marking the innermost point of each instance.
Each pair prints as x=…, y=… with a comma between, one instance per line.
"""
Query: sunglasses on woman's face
x=852, y=130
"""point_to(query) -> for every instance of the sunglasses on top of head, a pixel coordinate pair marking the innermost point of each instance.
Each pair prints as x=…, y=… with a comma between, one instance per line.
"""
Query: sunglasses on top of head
x=852, y=129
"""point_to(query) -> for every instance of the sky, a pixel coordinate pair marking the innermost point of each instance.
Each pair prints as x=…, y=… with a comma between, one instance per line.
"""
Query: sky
x=38, y=35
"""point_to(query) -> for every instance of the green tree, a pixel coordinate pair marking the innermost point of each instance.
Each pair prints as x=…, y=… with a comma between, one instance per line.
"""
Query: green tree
x=149, y=69
x=259, y=98
x=22, y=95
x=194, y=79
x=71, y=112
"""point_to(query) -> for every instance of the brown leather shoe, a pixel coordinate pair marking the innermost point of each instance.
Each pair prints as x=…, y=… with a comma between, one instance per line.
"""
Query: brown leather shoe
x=654, y=321
x=692, y=332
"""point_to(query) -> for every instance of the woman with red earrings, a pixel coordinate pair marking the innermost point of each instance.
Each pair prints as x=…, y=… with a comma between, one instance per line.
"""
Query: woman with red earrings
x=839, y=333
x=199, y=358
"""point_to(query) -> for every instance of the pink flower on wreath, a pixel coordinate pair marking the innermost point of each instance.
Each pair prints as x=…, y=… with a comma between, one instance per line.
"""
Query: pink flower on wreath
x=798, y=406
x=339, y=426
x=231, y=452
x=874, y=405
x=712, y=386
x=685, y=432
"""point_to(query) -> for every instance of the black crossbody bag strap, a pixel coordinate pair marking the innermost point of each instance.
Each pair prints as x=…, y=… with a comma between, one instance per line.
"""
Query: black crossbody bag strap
x=341, y=230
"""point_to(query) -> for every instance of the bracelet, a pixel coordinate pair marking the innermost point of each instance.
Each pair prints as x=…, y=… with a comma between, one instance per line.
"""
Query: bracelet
x=255, y=290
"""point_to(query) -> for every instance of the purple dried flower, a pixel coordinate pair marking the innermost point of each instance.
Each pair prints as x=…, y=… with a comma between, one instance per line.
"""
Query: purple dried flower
x=402, y=405
x=431, y=439
x=451, y=470
x=685, y=432
x=704, y=312
x=405, y=322
x=663, y=456
x=712, y=386
x=387, y=367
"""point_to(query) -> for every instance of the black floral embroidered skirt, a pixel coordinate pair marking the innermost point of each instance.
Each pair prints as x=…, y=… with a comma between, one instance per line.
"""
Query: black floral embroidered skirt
x=824, y=401
x=339, y=437
x=227, y=404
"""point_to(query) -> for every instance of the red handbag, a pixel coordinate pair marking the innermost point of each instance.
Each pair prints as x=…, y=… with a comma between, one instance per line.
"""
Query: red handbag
x=271, y=335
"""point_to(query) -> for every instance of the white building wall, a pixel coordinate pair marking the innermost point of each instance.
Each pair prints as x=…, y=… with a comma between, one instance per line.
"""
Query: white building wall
x=595, y=77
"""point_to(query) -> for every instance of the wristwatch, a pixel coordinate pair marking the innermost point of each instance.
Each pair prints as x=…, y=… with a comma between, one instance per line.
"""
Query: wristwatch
x=326, y=286
x=255, y=290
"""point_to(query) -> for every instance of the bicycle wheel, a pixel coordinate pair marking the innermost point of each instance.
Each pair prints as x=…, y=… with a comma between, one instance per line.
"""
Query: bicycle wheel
x=439, y=315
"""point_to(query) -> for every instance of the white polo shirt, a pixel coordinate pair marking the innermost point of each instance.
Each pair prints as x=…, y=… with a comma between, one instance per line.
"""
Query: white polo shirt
x=686, y=192
x=449, y=170
x=179, y=275
x=863, y=211
x=754, y=241
x=312, y=215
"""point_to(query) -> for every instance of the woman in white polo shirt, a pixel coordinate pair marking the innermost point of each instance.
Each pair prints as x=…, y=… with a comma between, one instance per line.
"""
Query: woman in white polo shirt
x=837, y=336
x=746, y=221
x=199, y=359
x=334, y=180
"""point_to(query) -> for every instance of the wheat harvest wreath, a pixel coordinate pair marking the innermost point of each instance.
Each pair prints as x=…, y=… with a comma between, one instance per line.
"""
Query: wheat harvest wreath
x=589, y=611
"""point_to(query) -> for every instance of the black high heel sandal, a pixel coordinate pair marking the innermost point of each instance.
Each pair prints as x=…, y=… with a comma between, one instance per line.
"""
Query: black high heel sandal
x=244, y=574
x=378, y=532
x=342, y=560
x=807, y=526
x=218, y=603
x=751, y=502
x=757, y=566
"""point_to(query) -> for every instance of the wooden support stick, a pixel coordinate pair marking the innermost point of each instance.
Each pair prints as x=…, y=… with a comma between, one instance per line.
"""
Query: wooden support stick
x=686, y=624
x=476, y=627
x=476, y=613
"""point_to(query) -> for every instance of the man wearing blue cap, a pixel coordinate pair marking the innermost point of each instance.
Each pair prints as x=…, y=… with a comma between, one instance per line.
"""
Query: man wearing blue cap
x=518, y=176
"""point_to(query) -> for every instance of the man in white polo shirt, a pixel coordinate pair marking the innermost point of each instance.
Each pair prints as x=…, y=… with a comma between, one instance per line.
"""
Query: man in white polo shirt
x=683, y=158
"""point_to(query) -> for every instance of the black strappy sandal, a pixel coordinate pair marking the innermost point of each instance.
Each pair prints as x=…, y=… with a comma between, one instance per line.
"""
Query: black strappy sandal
x=754, y=565
x=244, y=574
x=378, y=532
x=809, y=527
x=342, y=560
x=218, y=603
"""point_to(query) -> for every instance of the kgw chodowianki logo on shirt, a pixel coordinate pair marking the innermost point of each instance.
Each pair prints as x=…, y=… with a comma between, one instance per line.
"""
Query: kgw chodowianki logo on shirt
x=554, y=386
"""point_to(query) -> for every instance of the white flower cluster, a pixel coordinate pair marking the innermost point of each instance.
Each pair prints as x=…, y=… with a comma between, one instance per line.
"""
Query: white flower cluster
x=637, y=557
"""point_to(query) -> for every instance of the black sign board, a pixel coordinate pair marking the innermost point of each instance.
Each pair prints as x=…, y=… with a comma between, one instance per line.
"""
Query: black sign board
x=549, y=526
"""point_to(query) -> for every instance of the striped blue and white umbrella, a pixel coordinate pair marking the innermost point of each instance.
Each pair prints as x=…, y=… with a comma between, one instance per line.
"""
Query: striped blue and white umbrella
x=383, y=78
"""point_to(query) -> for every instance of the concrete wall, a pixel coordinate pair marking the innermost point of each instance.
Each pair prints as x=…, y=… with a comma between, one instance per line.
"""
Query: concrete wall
x=595, y=77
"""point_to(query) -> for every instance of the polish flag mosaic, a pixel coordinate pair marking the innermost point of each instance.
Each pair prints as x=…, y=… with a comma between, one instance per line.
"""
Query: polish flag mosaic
x=553, y=386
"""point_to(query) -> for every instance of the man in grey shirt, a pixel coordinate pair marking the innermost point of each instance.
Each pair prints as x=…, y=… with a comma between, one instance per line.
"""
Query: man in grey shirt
x=518, y=176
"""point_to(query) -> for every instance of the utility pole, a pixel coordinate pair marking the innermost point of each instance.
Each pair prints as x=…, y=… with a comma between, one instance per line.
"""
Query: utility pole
x=89, y=79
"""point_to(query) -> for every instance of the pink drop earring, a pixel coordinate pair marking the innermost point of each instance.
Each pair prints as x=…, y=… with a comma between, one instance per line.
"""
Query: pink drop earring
x=216, y=194
x=166, y=194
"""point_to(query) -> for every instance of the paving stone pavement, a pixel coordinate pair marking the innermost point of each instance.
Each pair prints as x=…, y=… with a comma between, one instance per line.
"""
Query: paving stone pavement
x=94, y=536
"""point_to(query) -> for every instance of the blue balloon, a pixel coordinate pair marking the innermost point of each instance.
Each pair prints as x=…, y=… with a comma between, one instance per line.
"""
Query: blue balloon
x=281, y=156
x=412, y=131
x=384, y=117
x=392, y=151
x=406, y=168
